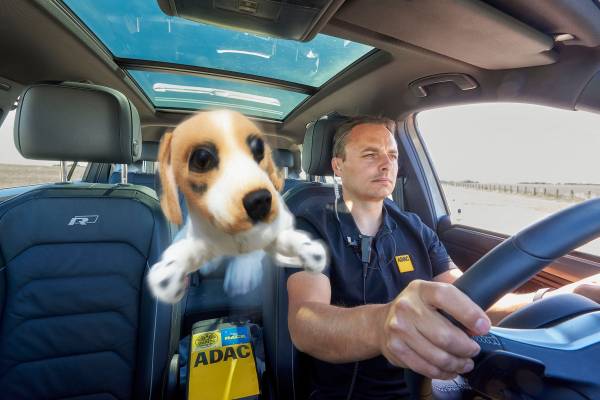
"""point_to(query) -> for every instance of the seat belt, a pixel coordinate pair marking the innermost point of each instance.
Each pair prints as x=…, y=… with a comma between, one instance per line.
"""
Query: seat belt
x=176, y=314
x=398, y=193
x=171, y=389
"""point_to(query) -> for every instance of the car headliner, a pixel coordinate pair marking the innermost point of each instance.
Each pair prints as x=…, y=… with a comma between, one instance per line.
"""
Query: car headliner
x=510, y=52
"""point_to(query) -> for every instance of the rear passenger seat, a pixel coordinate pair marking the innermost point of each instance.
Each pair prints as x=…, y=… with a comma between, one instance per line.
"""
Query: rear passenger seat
x=135, y=172
x=284, y=159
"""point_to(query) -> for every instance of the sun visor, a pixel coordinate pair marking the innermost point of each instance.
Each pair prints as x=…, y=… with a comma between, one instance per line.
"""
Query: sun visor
x=468, y=30
x=292, y=19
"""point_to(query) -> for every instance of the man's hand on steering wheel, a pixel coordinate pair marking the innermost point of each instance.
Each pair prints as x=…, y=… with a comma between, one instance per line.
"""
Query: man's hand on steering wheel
x=416, y=336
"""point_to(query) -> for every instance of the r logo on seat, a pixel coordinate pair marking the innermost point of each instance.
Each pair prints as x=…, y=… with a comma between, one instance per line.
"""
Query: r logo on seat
x=83, y=220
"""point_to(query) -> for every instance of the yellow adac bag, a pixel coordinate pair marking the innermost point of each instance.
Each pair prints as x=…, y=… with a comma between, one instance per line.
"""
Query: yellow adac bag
x=221, y=363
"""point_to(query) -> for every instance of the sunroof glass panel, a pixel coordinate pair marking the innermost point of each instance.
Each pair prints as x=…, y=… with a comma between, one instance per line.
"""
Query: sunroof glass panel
x=138, y=29
x=175, y=91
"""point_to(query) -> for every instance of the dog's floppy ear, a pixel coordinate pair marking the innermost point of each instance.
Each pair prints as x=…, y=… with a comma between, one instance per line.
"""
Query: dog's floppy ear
x=273, y=172
x=169, y=200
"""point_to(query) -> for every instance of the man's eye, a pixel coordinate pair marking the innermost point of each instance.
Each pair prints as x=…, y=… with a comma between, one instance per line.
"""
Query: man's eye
x=257, y=147
x=370, y=155
x=394, y=156
x=203, y=159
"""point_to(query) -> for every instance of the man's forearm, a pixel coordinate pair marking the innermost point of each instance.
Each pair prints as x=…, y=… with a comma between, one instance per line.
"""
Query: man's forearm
x=513, y=302
x=507, y=305
x=336, y=334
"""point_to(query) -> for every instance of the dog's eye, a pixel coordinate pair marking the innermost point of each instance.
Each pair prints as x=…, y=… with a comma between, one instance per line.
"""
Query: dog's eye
x=257, y=147
x=203, y=159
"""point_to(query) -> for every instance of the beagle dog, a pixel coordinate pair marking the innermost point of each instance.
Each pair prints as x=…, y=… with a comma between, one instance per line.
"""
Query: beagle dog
x=222, y=165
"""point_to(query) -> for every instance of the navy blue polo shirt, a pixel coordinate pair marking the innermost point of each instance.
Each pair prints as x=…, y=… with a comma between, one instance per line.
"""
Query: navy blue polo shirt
x=403, y=249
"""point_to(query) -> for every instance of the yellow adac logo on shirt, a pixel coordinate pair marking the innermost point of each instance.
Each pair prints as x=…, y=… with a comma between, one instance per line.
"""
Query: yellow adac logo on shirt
x=404, y=263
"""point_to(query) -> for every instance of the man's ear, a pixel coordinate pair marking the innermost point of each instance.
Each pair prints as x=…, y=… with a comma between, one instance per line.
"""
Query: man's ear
x=335, y=166
x=273, y=172
x=169, y=201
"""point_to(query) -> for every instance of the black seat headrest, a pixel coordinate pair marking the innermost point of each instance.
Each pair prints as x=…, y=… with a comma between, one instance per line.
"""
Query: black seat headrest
x=283, y=158
x=317, y=148
x=77, y=122
x=149, y=151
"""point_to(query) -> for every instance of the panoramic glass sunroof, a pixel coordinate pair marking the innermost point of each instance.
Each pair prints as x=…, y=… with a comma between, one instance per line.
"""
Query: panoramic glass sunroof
x=198, y=92
x=139, y=30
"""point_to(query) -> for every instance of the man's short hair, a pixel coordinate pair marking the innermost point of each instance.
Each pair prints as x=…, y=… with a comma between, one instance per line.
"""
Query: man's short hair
x=342, y=132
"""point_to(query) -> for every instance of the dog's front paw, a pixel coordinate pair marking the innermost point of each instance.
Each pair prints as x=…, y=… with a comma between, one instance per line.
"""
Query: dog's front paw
x=167, y=281
x=313, y=256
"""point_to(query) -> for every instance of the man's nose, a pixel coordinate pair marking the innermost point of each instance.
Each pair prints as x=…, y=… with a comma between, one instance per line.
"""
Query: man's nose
x=385, y=162
x=257, y=204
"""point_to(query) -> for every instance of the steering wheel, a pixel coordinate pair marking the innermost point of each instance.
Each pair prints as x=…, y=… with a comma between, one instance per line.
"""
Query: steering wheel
x=555, y=360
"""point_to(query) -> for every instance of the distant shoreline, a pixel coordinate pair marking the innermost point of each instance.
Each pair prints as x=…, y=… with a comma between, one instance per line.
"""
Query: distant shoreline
x=558, y=191
x=14, y=175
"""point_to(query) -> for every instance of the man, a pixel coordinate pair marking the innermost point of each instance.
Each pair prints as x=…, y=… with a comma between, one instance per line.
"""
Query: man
x=374, y=308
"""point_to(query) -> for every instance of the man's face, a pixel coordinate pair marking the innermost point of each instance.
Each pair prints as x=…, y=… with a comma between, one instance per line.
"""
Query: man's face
x=371, y=164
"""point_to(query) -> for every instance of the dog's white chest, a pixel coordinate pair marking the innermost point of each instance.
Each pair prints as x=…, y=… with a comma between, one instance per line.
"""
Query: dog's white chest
x=201, y=242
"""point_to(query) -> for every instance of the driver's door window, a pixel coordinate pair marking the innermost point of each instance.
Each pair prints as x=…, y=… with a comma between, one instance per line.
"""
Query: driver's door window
x=505, y=166
x=16, y=171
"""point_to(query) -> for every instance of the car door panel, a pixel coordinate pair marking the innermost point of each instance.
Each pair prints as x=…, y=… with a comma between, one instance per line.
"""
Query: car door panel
x=466, y=245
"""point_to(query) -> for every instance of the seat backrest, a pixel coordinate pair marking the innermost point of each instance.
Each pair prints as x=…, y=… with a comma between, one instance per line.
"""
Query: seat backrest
x=76, y=316
x=216, y=290
x=288, y=376
x=284, y=159
x=135, y=174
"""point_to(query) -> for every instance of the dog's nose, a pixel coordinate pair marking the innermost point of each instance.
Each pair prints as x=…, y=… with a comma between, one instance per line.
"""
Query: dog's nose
x=257, y=204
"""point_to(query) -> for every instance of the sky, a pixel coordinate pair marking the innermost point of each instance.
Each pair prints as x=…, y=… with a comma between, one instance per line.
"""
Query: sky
x=493, y=142
x=510, y=143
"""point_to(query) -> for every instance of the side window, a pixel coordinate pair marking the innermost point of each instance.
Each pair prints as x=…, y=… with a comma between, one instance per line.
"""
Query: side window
x=504, y=166
x=18, y=171
x=139, y=167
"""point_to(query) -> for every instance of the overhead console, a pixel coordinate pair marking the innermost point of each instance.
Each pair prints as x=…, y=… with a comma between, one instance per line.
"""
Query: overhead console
x=290, y=19
x=468, y=30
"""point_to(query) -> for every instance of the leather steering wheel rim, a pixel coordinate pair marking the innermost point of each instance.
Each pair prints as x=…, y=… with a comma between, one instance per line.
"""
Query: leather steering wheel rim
x=519, y=258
